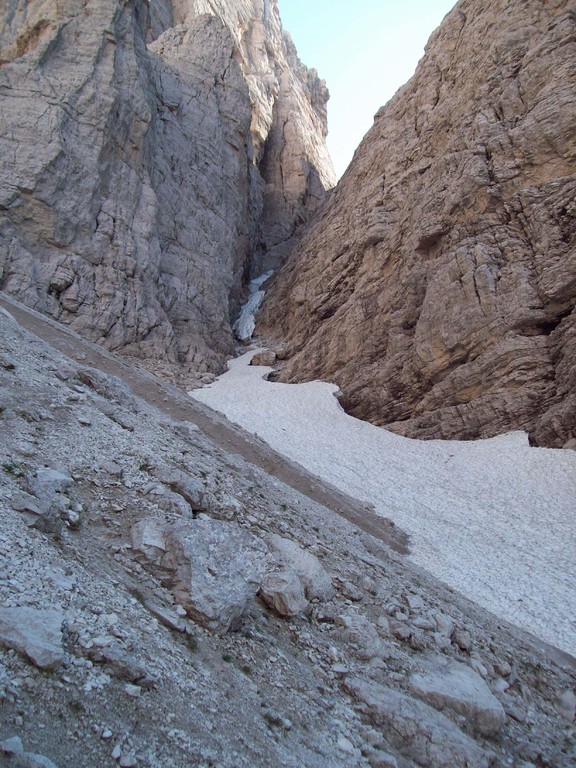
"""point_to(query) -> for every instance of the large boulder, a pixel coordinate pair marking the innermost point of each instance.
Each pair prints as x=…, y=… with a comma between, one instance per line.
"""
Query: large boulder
x=416, y=730
x=447, y=684
x=214, y=568
x=35, y=633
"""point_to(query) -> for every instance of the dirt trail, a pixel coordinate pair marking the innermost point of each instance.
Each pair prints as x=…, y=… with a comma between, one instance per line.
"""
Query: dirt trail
x=177, y=405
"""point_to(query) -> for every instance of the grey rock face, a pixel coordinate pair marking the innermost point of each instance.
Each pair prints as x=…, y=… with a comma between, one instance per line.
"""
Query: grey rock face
x=35, y=633
x=437, y=286
x=143, y=160
x=450, y=685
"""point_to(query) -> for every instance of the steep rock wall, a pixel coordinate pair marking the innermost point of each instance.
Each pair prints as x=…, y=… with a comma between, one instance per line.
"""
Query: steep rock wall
x=141, y=165
x=437, y=286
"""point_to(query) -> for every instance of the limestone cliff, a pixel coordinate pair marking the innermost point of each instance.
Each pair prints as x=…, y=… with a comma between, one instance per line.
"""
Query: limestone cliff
x=437, y=286
x=150, y=153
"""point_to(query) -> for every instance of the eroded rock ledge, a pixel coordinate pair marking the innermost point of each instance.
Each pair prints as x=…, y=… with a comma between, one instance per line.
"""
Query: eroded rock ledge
x=437, y=286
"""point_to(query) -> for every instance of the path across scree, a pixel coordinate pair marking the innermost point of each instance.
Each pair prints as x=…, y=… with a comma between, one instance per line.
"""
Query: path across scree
x=178, y=406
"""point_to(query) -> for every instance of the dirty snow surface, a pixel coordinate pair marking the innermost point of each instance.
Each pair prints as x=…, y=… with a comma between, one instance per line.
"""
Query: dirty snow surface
x=494, y=519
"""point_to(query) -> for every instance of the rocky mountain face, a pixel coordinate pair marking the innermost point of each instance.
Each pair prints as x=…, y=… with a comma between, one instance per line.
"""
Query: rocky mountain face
x=167, y=600
x=151, y=153
x=437, y=285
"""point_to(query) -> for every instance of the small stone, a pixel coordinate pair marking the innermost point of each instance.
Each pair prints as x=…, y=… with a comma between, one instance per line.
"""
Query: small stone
x=345, y=745
x=566, y=705
x=84, y=421
x=503, y=668
x=12, y=746
x=127, y=761
x=444, y=625
x=116, y=752
x=414, y=602
x=106, y=734
x=133, y=690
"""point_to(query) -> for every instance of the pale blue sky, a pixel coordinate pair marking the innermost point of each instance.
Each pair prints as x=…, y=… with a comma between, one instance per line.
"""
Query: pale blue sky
x=365, y=50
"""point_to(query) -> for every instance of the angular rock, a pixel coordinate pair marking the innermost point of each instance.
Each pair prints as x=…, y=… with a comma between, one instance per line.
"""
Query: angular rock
x=122, y=664
x=46, y=482
x=148, y=540
x=12, y=746
x=282, y=592
x=107, y=386
x=34, y=633
x=214, y=568
x=191, y=490
x=447, y=684
x=437, y=286
x=165, y=615
x=217, y=569
x=416, y=730
x=315, y=580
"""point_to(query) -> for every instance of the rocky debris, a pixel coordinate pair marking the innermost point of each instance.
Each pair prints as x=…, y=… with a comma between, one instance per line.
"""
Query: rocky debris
x=415, y=729
x=450, y=685
x=54, y=507
x=151, y=187
x=142, y=684
x=35, y=633
x=316, y=582
x=436, y=287
x=282, y=592
x=214, y=568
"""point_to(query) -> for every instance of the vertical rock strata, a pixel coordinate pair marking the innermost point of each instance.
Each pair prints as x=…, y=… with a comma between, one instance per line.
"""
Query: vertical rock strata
x=150, y=153
x=437, y=286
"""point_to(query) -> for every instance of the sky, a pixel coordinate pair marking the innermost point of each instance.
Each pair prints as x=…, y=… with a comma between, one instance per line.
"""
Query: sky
x=364, y=50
